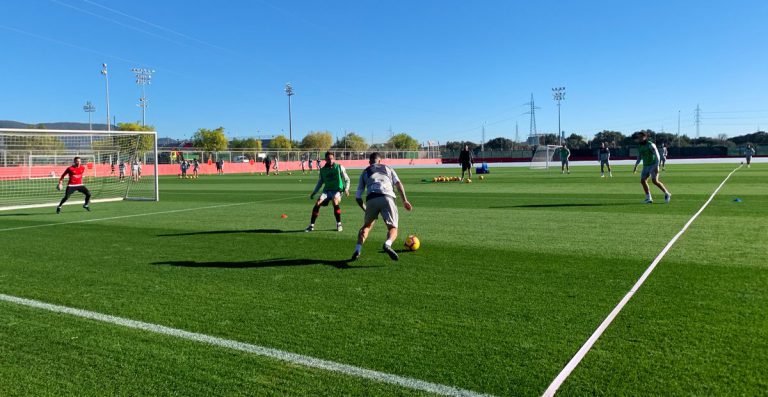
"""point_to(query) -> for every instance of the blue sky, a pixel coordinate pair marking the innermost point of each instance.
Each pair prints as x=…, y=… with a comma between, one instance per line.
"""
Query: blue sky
x=437, y=69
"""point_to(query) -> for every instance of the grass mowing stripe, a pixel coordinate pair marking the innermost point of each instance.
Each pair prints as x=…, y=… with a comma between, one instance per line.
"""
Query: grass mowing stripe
x=574, y=362
x=147, y=214
x=285, y=356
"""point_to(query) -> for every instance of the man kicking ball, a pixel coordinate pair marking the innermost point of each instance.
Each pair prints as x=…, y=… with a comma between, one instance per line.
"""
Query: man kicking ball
x=380, y=181
x=649, y=155
x=336, y=180
x=75, y=184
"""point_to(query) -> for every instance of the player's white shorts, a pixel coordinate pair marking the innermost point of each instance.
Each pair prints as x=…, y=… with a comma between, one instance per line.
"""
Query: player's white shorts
x=330, y=195
x=385, y=206
x=650, y=171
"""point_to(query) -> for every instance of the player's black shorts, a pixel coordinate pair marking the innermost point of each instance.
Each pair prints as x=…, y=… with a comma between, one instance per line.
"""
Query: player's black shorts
x=81, y=189
x=466, y=166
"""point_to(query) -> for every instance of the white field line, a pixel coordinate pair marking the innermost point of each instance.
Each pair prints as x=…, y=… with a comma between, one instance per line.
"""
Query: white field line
x=144, y=214
x=53, y=204
x=281, y=355
x=563, y=375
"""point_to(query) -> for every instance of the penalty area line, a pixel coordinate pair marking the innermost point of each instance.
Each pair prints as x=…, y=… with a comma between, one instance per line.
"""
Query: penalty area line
x=574, y=362
x=145, y=214
x=293, y=358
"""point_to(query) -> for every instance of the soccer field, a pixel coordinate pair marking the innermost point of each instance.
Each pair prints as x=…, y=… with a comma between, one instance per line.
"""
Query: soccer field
x=515, y=272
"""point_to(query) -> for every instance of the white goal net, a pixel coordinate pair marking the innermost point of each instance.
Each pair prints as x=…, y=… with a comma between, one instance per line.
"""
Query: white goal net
x=544, y=156
x=120, y=165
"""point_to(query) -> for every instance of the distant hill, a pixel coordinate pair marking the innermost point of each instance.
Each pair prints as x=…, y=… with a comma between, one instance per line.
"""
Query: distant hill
x=61, y=125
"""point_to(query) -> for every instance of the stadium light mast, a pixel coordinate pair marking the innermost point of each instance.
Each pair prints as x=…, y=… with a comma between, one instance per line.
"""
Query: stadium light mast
x=289, y=93
x=89, y=108
x=558, y=93
x=143, y=79
x=106, y=80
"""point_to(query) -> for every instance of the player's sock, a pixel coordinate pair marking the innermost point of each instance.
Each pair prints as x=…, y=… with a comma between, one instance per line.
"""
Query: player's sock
x=58, y=210
x=388, y=243
x=358, y=250
x=315, y=214
x=337, y=213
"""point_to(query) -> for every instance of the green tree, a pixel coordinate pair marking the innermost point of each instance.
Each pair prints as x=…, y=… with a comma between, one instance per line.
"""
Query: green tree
x=253, y=145
x=320, y=140
x=550, y=139
x=146, y=142
x=403, y=141
x=46, y=143
x=609, y=137
x=210, y=140
x=575, y=141
x=458, y=145
x=351, y=141
x=704, y=141
x=665, y=137
x=280, y=142
x=758, y=138
x=499, y=143
x=245, y=143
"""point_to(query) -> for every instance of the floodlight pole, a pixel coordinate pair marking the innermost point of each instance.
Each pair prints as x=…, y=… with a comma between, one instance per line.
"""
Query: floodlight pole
x=143, y=78
x=89, y=108
x=289, y=93
x=559, y=94
x=106, y=80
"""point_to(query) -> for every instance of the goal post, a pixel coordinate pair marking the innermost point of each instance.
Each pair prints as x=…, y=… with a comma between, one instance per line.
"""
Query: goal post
x=120, y=165
x=543, y=157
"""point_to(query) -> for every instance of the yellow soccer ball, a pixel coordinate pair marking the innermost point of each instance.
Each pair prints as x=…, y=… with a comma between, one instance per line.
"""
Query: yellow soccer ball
x=468, y=180
x=482, y=177
x=412, y=243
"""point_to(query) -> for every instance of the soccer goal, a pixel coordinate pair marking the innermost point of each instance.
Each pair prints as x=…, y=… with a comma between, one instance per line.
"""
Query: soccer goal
x=544, y=156
x=120, y=165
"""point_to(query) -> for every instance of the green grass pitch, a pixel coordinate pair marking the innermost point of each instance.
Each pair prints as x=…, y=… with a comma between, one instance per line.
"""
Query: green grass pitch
x=513, y=275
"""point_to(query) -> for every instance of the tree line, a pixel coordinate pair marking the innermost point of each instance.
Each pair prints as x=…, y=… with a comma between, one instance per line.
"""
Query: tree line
x=617, y=139
x=212, y=140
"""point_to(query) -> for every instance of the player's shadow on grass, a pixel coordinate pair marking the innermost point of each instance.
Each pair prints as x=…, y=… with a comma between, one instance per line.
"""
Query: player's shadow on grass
x=251, y=231
x=560, y=205
x=16, y=214
x=276, y=262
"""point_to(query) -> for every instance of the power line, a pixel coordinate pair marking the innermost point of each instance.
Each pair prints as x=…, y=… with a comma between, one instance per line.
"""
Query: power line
x=698, y=121
x=532, y=129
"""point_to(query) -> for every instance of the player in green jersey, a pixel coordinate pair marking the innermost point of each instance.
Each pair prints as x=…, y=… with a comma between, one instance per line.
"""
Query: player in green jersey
x=336, y=180
x=649, y=155
x=565, y=155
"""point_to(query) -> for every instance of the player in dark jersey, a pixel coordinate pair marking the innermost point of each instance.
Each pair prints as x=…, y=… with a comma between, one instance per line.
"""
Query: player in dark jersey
x=465, y=159
x=267, y=163
x=75, y=184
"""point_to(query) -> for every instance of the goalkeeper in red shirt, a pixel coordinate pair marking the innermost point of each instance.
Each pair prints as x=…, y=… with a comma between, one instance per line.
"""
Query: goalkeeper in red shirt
x=75, y=184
